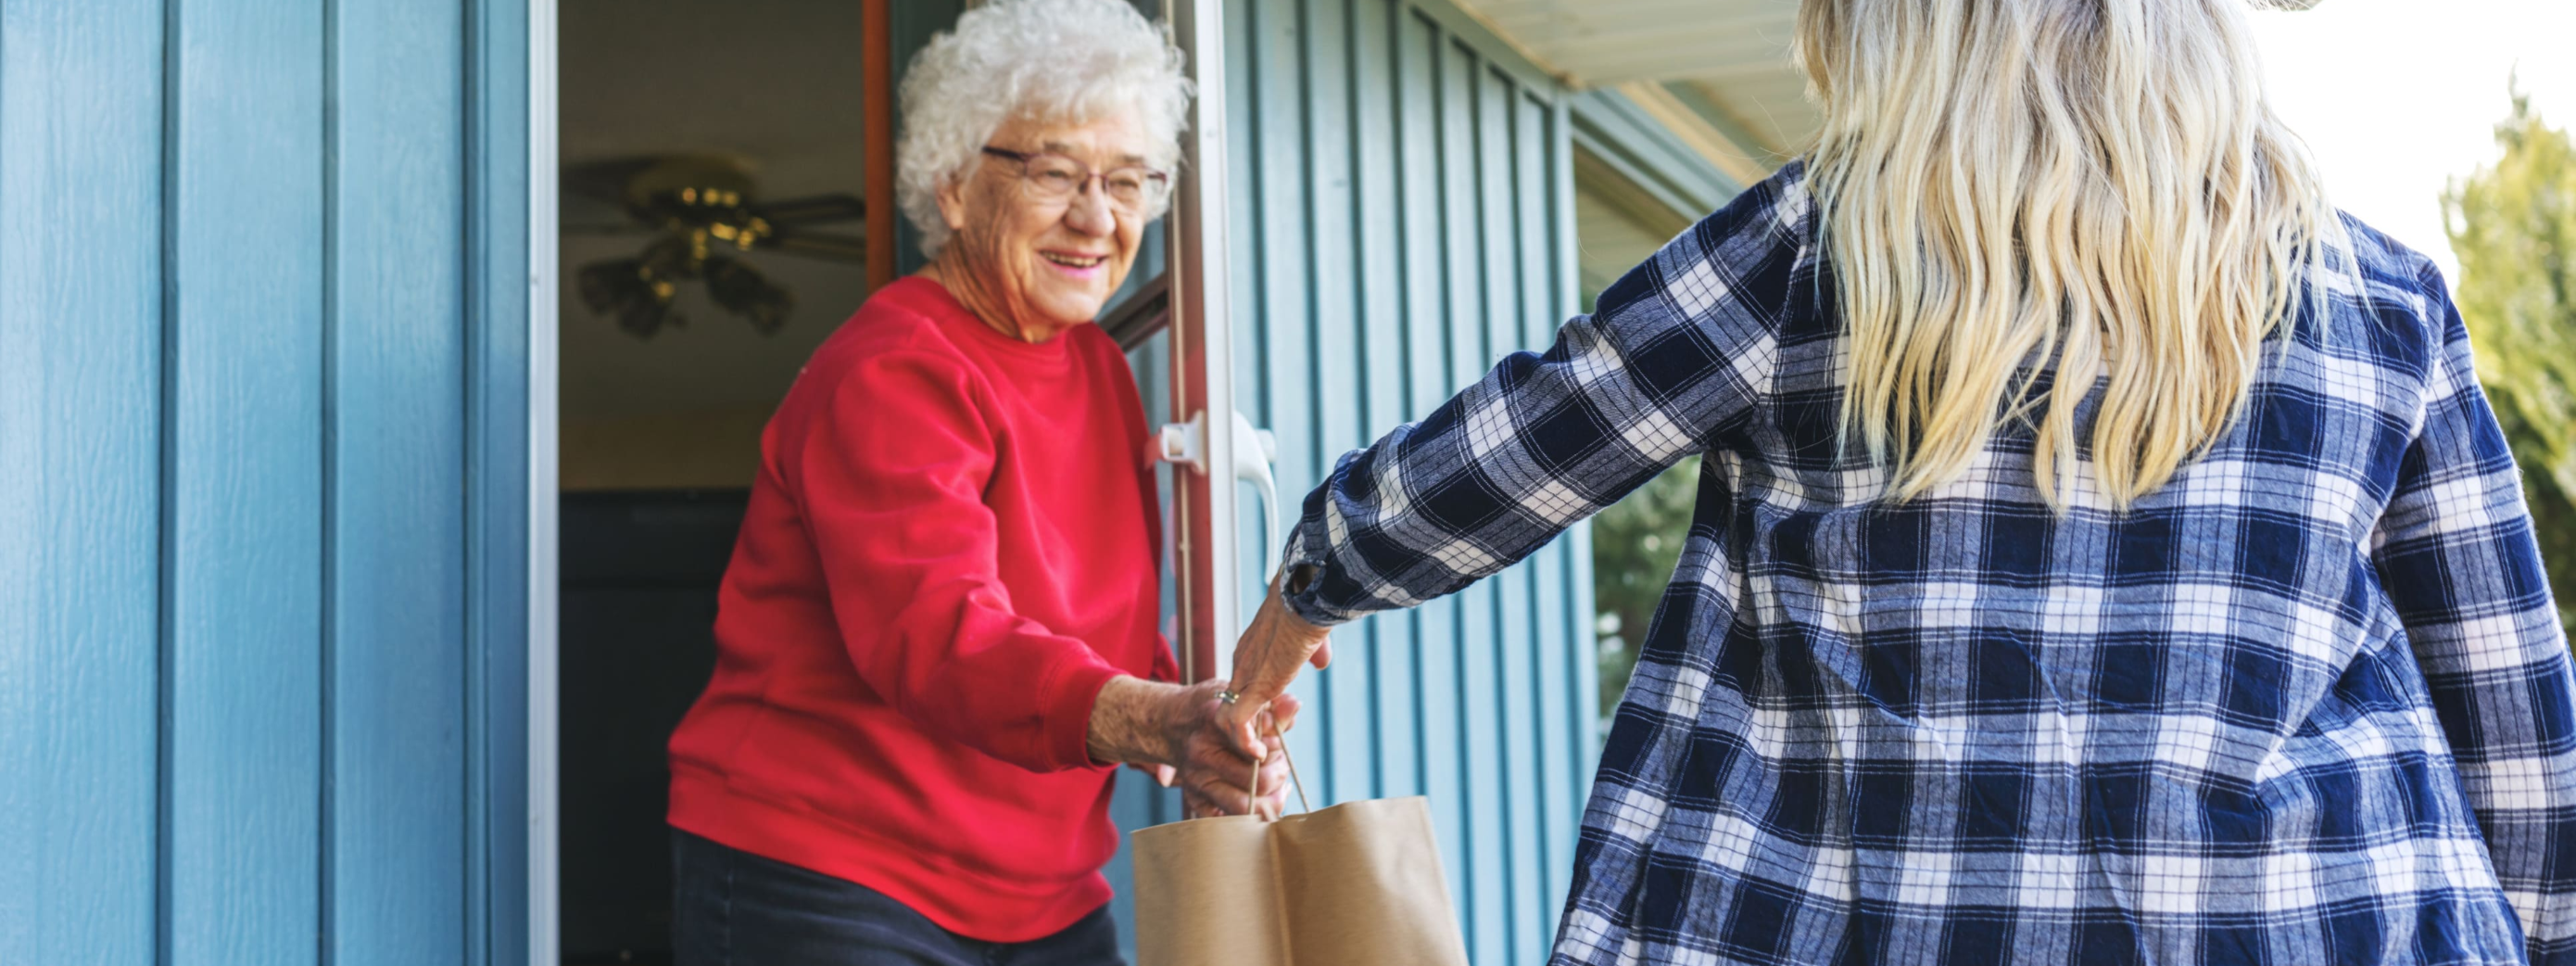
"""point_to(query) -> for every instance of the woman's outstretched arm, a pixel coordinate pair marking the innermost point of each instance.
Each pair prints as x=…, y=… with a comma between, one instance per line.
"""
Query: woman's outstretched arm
x=2456, y=554
x=1678, y=351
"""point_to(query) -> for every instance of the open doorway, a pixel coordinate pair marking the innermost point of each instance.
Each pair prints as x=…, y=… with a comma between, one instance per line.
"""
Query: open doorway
x=683, y=319
x=713, y=234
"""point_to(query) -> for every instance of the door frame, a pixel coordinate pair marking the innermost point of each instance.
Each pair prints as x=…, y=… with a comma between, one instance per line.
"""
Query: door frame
x=544, y=833
x=1205, y=495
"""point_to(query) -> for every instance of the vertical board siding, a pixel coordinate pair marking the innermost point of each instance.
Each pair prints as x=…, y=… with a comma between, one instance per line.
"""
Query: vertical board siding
x=1280, y=345
x=1338, y=363
x=246, y=247
x=1400, y=228
x=497, y=544
x=396, y=836
x=1471, y=348
x=1388, y=644
x=244, y=578
x=1553, y=637
x=1515, y=649
x=1427, y=382
x=265, y=430
x=80, y=386
x=1585, y=686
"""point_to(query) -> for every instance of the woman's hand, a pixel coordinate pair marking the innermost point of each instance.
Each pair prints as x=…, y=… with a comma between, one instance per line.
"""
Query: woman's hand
x=1180, y=734
x=1213, y=763
x=1266, y=659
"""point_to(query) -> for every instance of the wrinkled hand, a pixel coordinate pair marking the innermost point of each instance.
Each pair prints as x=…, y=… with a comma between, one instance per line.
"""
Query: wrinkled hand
x=1266, y=659
x=1214, y=763
x=1178, y=734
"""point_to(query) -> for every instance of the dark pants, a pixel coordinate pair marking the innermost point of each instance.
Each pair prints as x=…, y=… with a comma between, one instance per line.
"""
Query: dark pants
x=733, y=908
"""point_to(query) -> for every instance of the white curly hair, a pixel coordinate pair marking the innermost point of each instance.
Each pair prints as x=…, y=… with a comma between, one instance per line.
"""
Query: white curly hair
x=1056, y=60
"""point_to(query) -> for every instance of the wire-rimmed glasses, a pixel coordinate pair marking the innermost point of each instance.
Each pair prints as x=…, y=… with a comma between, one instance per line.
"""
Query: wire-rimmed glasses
x=1054, y=177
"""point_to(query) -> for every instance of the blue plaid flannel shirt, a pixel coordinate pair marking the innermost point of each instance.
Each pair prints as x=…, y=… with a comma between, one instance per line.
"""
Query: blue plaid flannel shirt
x=2309, y=703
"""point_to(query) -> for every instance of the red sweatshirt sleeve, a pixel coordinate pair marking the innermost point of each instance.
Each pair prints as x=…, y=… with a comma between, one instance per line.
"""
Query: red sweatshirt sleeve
x=891, y=475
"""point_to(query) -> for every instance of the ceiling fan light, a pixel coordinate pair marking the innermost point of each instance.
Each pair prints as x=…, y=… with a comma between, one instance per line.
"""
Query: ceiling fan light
x=685, y=200
x=626, y=290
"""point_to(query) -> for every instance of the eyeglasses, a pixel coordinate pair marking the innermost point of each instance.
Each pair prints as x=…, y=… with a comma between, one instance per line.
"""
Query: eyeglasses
x=1054, y=177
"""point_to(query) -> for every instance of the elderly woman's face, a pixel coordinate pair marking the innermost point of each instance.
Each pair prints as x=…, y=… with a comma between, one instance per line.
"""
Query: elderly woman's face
x=1046, y=264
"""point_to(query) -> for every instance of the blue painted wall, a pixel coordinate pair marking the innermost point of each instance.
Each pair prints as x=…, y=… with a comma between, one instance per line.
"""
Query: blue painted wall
x=1403, y=214
x=263, y=470
x=1402, y=219
x=262, y=481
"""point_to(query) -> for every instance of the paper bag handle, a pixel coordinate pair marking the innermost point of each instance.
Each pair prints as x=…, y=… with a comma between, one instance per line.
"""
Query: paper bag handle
x=1293, y=780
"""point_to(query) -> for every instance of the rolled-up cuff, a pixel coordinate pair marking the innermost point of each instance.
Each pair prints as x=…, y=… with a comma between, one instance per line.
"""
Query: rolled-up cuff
x=1068, y=714
x=1310, y=548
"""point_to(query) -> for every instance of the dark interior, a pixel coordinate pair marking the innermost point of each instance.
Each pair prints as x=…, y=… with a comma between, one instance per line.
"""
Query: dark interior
x=640, y=571
x=757, y=101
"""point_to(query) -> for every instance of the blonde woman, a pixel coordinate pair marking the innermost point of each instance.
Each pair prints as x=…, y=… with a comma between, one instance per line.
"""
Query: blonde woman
x=2103, y=555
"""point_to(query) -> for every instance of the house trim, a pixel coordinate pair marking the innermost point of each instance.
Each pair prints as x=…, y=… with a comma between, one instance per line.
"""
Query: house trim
x=1629, y=140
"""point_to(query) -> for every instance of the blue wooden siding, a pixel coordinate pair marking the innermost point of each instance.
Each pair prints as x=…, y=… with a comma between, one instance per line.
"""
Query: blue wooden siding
x=263, y=468
x=80, y=524
x=244, y=427
x=263, y=276
x=1401, y=220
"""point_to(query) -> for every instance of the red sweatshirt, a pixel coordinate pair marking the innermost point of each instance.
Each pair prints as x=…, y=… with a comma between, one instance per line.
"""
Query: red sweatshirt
x=950, y=548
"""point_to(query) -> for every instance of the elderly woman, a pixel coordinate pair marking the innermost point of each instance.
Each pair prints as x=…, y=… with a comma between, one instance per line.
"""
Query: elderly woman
x=938, y=632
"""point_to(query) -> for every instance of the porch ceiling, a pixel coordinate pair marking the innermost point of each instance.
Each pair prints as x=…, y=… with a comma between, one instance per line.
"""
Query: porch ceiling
x=1726, y=59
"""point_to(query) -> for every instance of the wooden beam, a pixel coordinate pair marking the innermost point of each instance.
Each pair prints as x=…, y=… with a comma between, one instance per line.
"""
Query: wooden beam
x=876, y=95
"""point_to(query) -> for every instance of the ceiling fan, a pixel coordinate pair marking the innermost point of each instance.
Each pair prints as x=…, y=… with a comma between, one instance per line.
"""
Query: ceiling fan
x=699, y=209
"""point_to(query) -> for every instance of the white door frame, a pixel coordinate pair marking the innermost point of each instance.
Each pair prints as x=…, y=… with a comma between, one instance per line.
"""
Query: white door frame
x=545, y=878
x=1205, y=548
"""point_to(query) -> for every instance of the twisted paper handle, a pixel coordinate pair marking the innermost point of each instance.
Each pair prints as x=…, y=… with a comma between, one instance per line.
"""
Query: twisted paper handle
x=1293, y=780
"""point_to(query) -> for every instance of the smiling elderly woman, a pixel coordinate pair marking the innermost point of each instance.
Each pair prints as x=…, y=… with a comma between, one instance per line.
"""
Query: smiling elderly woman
x=937, y=635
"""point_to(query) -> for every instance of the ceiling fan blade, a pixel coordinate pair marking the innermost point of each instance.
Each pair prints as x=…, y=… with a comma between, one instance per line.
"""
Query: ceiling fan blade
x=620, y=288
x=600, y=227
x=743, y=291
x=835, y=248
x=814, y=210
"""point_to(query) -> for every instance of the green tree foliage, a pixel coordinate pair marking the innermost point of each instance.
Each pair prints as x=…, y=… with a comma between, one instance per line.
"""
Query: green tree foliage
x=1635, y=544
x=2513, y=227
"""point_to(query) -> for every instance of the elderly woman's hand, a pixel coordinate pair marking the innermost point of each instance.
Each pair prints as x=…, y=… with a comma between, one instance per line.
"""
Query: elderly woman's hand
x=1183, y=729
x=1268, y=656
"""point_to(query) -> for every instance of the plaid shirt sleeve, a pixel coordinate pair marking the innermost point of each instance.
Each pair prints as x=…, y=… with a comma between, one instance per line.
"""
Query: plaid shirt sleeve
x=2456, y=554
x=1677, y=349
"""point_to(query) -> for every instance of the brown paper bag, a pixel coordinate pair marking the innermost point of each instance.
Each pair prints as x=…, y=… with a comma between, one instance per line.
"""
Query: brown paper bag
x=1355, y=884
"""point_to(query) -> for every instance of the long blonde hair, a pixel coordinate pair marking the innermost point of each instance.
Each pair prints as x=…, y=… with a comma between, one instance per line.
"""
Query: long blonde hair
x=2003, y=183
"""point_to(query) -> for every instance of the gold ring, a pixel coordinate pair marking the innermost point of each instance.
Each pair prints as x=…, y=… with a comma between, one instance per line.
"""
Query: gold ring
x=1227, y=697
